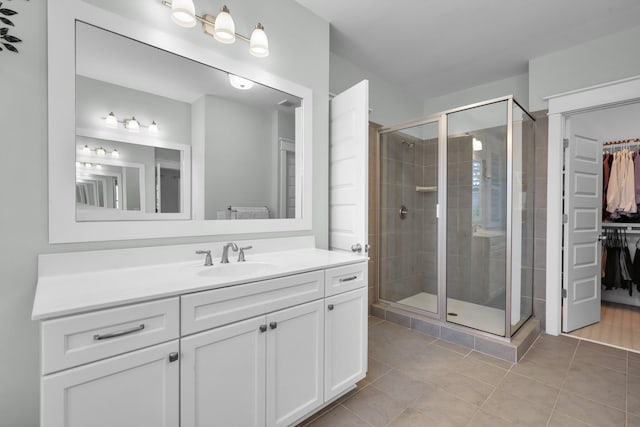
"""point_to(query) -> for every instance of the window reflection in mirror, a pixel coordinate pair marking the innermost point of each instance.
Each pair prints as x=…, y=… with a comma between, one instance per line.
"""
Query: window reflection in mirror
x=156, y=109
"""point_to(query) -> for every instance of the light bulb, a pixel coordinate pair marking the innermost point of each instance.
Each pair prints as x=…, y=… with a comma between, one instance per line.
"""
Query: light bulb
x=115, y=153
x=132, y=124
x=153, y=127
x=101, y=152
x=259, y=44
x=240, y=83
x=111, y=120
x=224, y=27
x=183, y=13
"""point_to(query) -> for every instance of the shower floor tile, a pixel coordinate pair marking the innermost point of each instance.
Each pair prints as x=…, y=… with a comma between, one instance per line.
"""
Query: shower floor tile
x=476, y=316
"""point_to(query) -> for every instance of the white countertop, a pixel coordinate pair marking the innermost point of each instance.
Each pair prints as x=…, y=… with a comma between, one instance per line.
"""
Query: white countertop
x=70, y=293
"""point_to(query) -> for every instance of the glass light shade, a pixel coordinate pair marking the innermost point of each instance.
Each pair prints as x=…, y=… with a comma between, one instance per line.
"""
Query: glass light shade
x=259, y=44
x=477, y=145
x=183, y=13
x=111, y=120
x=224, y=27
x=86, y=150
x=88, y=165
x=101, y=152
x=132, y=124
x=115, y=153
x=240, y=83
x=99, y=167
x=153, y=127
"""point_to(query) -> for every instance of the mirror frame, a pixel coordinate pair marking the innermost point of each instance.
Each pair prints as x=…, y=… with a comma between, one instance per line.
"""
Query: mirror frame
x=63, y=227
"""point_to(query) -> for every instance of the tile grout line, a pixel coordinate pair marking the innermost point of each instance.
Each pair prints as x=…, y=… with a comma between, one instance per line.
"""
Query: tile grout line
x=555, y=404
x=354, y=413
x=490, y=395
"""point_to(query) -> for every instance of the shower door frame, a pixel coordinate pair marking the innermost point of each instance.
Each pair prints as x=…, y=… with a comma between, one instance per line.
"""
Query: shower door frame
x=442, y=119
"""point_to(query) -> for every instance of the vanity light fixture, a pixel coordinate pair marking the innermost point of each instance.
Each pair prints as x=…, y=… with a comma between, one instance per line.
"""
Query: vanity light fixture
x=88, y=165
x=132, y=124
x=101, y=152
x=153, y=127
x=477, y=145
x=86, y=149
x=239, y=82
x=220, y=27
x=115, y=153
x=98, y=166
x=111, y=120
x=183, y=13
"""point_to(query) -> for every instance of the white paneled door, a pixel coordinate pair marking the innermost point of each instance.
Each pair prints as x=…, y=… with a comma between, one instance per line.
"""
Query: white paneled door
x=348, y=172
x=583, y=205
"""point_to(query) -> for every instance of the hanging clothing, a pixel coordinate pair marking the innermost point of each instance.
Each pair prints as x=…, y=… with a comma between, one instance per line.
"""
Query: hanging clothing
x=628, y=196
x=613, y=192
x=636, y=169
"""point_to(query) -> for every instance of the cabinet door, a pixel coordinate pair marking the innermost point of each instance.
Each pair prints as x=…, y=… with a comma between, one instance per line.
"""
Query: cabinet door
x=294, y=362
x=136, y=389
x=345, y=341
x=223, y=376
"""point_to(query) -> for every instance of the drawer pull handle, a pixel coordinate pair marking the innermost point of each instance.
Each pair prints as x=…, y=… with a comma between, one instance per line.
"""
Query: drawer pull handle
x=348, y=279
x=330, y=307
x=273, y=325
x=263, y=328
x=173, y=356
x=99, y=337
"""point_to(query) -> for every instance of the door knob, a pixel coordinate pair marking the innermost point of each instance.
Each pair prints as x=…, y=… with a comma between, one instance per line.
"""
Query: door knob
x=356, y=248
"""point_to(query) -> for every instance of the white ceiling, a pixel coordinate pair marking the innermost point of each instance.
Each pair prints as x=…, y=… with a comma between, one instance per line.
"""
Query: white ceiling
x=433, y=47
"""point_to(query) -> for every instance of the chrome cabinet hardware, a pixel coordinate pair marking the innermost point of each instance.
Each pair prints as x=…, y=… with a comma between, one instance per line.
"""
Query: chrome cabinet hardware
x=273, y=325
x=403, y=212
x=99, y=337
x=348, y=279
x=173, y=356
x=356, y=248
x=207, y=260
x=241, y=253
x=263, y=328
x=330, y=307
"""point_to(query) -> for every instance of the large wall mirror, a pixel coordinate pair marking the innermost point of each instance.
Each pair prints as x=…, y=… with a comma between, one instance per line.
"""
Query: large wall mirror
x=168, y=140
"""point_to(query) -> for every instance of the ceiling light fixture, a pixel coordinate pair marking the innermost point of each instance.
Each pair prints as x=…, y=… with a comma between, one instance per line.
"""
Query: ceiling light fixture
x=239, y=82
x=221, y=27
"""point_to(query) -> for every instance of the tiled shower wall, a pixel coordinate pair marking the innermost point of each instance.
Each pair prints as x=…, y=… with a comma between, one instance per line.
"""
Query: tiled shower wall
x=408, y=247
x=540, y=225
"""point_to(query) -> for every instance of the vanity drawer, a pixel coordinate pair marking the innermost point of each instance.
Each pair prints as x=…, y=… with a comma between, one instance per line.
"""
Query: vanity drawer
x=76, y=340
x=209, y=309
x=346, y=278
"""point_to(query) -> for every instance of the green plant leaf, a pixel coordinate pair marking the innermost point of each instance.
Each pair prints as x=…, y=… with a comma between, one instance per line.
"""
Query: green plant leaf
x=3, y=31
x=6, y=21
x=10, y=47
x=8, y=12
x=11, y=39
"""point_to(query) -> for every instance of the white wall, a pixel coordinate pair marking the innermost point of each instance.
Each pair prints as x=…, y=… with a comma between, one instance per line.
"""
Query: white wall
x=390, y=106
x=606, y=59
x=303, y=59
x=517, y=86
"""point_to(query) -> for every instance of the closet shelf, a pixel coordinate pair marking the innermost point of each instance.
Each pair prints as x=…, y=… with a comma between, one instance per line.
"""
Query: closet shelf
x=426, y=189
x=632, y=228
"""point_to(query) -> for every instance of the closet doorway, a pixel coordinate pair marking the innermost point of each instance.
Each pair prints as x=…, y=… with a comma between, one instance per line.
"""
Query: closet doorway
x=601, y=256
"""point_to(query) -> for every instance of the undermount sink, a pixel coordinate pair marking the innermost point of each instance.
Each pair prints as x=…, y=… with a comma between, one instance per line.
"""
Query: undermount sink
x=237, y=269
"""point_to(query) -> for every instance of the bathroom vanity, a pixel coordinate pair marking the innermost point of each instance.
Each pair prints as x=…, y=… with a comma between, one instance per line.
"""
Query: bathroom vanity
x=264, y=342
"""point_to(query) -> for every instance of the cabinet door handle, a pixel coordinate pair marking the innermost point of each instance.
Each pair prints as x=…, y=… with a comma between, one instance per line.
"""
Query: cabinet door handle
x=99, y=337
x=263, y=328
x=273, y=325
x=348, y=279
x=173, y=356
x=330, y=307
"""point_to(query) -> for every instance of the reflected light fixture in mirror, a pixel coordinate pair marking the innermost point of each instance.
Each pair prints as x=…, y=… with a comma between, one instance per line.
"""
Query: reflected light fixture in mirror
x=477, y=144
x=111, y=120
x=240, y=83
x=220, y=27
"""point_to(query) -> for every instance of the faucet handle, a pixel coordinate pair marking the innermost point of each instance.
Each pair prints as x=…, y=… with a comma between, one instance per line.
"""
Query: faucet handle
x=241, y=254
x=207, y=261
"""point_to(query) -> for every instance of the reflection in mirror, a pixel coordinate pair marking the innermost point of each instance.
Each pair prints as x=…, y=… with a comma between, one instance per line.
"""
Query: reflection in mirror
x=155, y=109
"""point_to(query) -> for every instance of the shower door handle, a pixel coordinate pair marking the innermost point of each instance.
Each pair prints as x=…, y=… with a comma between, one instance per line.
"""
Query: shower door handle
x=356, y=248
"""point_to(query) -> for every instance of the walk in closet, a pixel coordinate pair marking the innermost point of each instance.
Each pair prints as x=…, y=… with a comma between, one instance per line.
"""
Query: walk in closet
x=612, y=137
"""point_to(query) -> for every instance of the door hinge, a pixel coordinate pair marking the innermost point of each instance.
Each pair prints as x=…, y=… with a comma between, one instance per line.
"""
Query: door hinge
x=565, y=143
x=565, y=218
x=564, y=293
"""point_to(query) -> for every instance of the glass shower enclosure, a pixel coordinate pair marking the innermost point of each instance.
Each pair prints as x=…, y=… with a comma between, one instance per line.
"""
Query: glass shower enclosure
x=456, y=216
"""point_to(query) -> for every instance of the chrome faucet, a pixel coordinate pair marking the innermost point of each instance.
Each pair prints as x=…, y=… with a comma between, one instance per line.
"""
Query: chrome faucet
x=241, y=257
x=207, y=260
x=225, y=252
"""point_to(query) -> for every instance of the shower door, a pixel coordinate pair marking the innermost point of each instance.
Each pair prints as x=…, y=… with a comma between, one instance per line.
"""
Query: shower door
x=408, y=216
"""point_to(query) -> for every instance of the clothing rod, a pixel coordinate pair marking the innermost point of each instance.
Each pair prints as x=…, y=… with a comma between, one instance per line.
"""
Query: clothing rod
x=622, y=141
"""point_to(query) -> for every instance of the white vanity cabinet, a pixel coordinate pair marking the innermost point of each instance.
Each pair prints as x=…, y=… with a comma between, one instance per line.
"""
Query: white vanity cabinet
x=261, y=353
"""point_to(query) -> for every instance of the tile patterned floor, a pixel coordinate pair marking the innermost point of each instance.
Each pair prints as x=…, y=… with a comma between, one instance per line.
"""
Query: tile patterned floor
x=417, y=380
